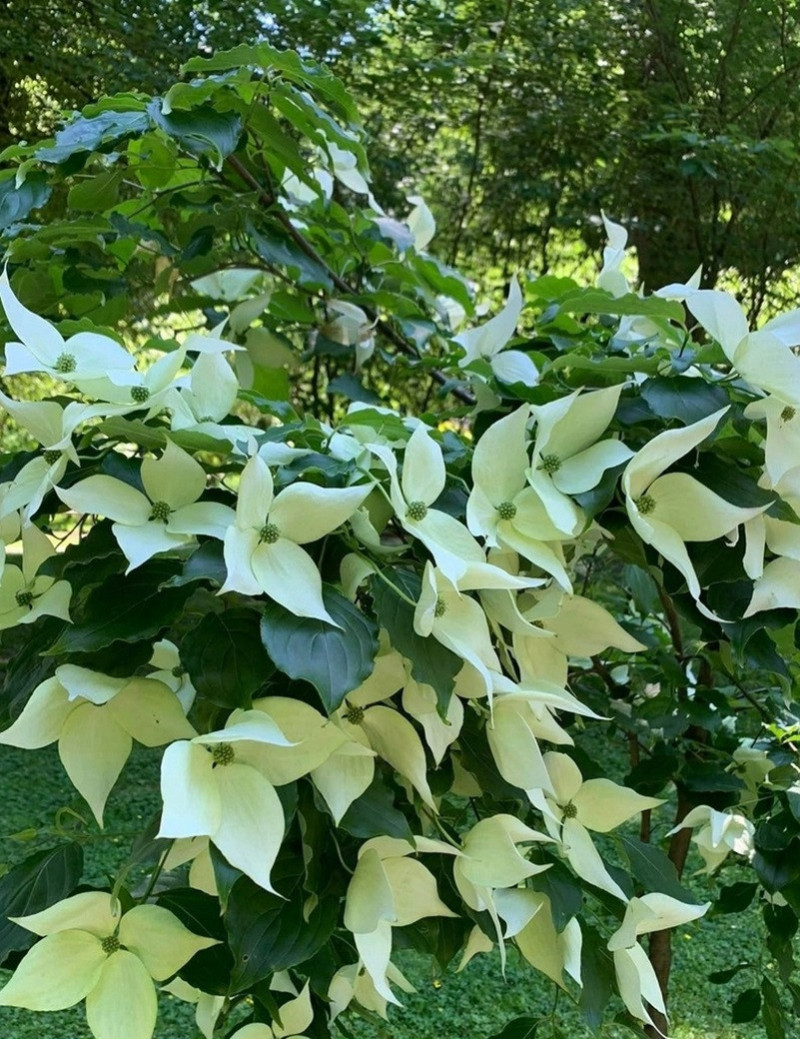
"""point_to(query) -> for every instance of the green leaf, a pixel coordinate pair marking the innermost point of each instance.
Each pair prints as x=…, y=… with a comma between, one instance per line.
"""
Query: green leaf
x=734, y=898
x=36, y=883
x=16, y=202
x=720, y=977
x=28, y=665
x=653, y=869
x=431, y=662
x=598, y=301
x=352, y=388
x=126, y=609
x=84, y=134
x=524, y=1026
x=374, y=813
x=269, y=934
x=309, y=74
x=209, y=970
x=771, y=1010
x=565, y=895
x=207, y=563
x=681, y=397
x=746, y=1006
x=97, y=193
x=225, y=658
x=201, y=131
x=597, y=973
x=275, y=246
x=334, y=660
x=777, y=868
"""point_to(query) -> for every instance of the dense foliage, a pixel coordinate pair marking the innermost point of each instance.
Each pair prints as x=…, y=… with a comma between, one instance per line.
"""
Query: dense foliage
x=379, y=653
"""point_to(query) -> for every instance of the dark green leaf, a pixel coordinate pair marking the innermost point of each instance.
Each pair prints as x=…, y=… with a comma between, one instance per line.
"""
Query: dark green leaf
x=681, y=397
x=771, y=1010
x=276, y=247
x=39, y=881
x=209, y=970
x=734, y=898
x=350, y=387
x=127, y=609
x=746, y=1006
x=374, y=813
x=207, y=563
x=653, y=869
x=225, y=657
x=28, y=665
x=565, y=895
x=201, y=131
x=431, y=662
x=334, y=660
x=719, y=977
x=269, y=934
x=777, y=869
x=522, y=1027
x=597, y=973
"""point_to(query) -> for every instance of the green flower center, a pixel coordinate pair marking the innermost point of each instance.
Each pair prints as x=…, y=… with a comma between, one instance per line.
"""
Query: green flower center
x=269, y=533
x=506, y=510
x=110, y=944
x=140, y=394
x=160, y=511
x=416, y=511
x=354, y=715
x=52, y=456
x=645, y=504
x=570, y=812
x=177, y=671
x=788, y=413
x=551, y=464
x=24, y=598
x=223, y=754
x=65, y=363
x=441, y=608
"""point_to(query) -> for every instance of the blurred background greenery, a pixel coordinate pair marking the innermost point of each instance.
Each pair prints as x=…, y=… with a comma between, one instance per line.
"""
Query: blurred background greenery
x=519, y=120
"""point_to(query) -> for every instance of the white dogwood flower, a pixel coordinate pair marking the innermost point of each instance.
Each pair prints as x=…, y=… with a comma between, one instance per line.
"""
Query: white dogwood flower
x=389, y=888
x=568, y=456
x=86, y=355
x=167, y=515
x=91, y=951
x=504, y=509
x=26, y=595
x=487, y=342
x=263, y=546
x=717, y=834
x=214, y=786
x=577, y=806
x=95, y=718
x=669, y=509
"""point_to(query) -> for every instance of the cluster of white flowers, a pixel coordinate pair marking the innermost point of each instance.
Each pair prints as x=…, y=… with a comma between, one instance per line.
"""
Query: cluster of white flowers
x=498, y=591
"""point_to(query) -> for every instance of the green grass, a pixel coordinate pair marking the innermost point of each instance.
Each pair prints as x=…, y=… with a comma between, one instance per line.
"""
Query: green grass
x=475, y=1003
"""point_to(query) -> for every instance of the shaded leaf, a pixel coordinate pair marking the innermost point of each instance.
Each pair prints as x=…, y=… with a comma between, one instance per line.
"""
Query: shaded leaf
x=39, y=881
x=225, y=658
x=431, y=662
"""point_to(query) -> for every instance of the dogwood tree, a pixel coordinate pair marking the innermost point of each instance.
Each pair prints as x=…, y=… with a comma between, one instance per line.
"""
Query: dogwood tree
x=380, y=579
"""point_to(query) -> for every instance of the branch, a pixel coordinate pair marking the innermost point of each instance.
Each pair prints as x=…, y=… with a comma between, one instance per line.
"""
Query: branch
x=403, y=345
